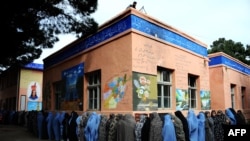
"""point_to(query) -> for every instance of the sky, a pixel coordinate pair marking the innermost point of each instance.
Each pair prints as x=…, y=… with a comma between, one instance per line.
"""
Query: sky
x=204, y=20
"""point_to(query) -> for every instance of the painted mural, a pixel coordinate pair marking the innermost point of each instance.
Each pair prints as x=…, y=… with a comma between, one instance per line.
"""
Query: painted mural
x=30, y=88
x=144, y=92
x=182, y=99
x=33, y=91
x=34, y=105
x=71, y=95
x=72, y=85
x=205, y=100
x=114, y=91
x=33, y=95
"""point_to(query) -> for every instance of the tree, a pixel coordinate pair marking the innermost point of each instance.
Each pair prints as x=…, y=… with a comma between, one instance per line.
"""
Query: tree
x=248, y=54
x=234, y=49
x=29, y=26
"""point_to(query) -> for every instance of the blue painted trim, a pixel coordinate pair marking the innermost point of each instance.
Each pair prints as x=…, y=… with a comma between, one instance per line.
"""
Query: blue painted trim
x=230, y=63
x=131, y=21
x=167, y=35
x=34, y=66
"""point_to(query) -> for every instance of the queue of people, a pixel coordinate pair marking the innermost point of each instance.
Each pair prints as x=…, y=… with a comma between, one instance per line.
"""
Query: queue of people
x=92, y=126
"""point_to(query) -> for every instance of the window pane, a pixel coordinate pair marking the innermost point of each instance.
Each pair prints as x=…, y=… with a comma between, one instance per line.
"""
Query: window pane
x=159, y=102
x=193, y=103
x=90, y=103
x=159, y=90
x=193, y=95
x=95, y=93
x=166, y=90
x=166, y=102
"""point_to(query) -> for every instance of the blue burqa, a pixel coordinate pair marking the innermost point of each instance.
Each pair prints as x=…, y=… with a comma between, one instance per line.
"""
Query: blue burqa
x=201, y=127
x=192, y=125
x=168, y=129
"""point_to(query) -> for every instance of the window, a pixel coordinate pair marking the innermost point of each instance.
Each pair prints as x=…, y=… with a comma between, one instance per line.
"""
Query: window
x=232, y=95
x=192, y=90
x=94, y=90
x=59, y=97
x=164, y=85
x=243, y=91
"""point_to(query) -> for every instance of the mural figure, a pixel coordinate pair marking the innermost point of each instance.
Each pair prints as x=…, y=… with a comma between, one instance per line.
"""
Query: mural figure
x=114, y=91
x=143, y=89
x=182, y=99
x=144, y=92
x=205, y=100
x=33, y=95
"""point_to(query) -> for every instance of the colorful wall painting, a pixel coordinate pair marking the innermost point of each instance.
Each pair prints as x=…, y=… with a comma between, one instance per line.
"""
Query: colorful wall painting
x=33, y=95
x=182, y=99
x=114, y=91
x=30, y=87
x=144, y=92
x=72, y=78
x=72, y=88
x=205, y=100
x=33, y=91
x=34, y=105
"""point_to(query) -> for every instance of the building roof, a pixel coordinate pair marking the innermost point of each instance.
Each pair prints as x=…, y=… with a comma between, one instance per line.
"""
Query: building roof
x=133, y=20
x=221, y=58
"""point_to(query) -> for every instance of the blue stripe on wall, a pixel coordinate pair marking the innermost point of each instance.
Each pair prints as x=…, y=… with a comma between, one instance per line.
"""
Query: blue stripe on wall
x=131, y=21
x=230, y=63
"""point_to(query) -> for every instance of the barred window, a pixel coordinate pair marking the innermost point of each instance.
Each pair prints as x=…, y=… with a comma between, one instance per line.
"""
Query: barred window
x=164, y=86
x=94, y=90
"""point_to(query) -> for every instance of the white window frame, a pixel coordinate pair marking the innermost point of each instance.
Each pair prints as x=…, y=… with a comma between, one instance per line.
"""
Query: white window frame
x=164, y=99
x=192, y=91
x=94, y=90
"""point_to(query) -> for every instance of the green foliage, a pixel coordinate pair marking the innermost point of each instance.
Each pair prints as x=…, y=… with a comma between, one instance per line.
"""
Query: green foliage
x=234, y=49
x=29, y=26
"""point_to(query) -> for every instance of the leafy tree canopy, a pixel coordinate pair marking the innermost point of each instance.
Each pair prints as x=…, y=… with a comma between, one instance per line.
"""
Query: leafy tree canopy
x=234, y=49
x=29, y=26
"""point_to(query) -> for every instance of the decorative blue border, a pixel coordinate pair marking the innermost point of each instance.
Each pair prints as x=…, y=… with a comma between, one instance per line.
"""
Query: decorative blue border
x=131, y=21
x=34, y=66
x=167, y=35
x=228, y=62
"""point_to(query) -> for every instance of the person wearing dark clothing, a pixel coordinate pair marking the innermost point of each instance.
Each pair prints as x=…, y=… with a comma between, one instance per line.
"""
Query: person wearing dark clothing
x=145, y=130
x=213, y=113
x=133, y=5
x=178, y=126
x=111, y=127
x=237, y=117
x=209, y=127
x=138, y=127
x=126, y=128
x=72, y=126
x=242, y=119
x=155, y=127
x=102, y=128
x=219, y=120
x=184, y=123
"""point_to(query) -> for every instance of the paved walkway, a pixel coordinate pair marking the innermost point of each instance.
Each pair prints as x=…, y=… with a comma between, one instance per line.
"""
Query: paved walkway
x=16, y=133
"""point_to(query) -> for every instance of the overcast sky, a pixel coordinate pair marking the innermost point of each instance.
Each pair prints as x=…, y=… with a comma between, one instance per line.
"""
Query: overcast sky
x=205, y=20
